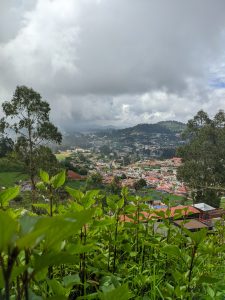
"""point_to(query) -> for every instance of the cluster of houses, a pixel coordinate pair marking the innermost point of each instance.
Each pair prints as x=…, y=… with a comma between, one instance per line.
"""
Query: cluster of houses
x=192, y=217
x=158, y=174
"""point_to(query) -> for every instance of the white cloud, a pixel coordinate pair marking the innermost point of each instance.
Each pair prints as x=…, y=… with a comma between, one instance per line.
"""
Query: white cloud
x=116, y=61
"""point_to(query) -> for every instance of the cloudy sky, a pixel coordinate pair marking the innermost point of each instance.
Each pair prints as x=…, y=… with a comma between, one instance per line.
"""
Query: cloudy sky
x=117, y=62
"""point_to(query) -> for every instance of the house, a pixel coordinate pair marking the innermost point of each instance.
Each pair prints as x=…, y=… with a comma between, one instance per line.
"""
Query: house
x=207, y=211
x=175, y=212
x=191, y=224
x=71, y=175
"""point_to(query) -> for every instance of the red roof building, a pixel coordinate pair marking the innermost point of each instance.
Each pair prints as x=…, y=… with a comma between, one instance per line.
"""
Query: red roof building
x=177, y=212
x=71, y=175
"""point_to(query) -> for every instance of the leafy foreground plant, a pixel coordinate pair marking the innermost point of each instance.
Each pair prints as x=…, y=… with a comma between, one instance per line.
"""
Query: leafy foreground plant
x=84, y=249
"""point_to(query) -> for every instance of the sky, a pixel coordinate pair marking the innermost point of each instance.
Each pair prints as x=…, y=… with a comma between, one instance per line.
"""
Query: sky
x=115, y=62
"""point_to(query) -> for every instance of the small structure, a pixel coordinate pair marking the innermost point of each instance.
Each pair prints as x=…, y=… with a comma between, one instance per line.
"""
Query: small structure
x=71, y=175
x=191, y=224
x=205, y=210
x=203, y=207
x=176, y=212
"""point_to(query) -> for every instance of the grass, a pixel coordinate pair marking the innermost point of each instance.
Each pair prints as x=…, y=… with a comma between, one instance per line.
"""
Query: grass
x=75, y=184
x=61, y=156
x=222, y=203
x=157, y=195
x=8, y=179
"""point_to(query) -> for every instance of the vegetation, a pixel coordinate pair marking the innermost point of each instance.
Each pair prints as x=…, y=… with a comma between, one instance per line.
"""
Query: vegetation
x=8, y=179
x=27, y=115
x=89, y=244
x=203, y=157
x=94, y=180
x=6, y=146
x=77, y=163
x=173, y=126
x=140, y=184
x=83, y=249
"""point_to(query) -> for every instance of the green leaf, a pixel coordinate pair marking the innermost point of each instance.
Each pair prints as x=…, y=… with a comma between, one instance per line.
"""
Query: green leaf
x=208, y=279
x=27, y=223
x=120, y=203
x=31, y=239
x=76, y=194
x=9, y=194
x=41, y=186
x=61, y=297
x=171, y=250
x=210, y=292
x=41, y=207
x=112, y=202
x=76, y=207
x=56, y=287
x=70, y=280
x=58, y=180
x=44, y=176
x=8, y=229
x=119, y=293
x=53, y=259
x=196, y=237
x=89, y=198
x=2, y=283
x=59, y=228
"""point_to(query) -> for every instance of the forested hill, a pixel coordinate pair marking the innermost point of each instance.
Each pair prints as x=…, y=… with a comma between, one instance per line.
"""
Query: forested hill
x=173, y=126
x=164, y=127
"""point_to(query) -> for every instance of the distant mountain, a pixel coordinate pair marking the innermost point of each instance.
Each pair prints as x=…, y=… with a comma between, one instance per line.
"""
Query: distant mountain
x=164, y=127
x=173, y=126
x=166, y=134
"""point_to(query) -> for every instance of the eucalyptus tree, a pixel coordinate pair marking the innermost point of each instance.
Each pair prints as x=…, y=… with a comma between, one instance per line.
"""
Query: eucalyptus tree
x=27, y=116
x=203, y=157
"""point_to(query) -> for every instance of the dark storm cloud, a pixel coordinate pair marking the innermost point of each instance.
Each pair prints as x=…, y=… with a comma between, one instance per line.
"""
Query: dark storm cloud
x=114, y=61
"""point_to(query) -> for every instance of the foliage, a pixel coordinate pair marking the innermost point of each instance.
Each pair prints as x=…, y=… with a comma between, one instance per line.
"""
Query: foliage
x=87, y=251
x=70, y=163
x=140, y=184
x=27, y=115
x=8, y=179
x=10, y=164
x=6, y=146
x=203, y=157
x=94, y=179
x=46, y=160
x=115, y=186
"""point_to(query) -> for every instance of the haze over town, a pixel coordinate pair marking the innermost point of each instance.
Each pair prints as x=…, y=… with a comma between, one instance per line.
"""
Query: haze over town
x=115, y=62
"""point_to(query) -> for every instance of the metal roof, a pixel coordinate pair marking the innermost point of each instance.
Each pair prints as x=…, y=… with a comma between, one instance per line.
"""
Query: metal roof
x=191, y=224
x=203, y=206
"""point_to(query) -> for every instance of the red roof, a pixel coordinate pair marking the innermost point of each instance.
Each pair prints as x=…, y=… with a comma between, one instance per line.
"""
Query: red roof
x=183, y=210
x=74, y=176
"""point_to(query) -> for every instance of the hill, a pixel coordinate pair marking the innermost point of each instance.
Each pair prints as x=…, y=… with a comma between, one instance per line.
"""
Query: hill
x=173, y=126
x=147, y=130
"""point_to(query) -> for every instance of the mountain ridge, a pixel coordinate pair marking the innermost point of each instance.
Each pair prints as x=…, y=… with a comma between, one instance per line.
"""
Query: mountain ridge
x=162, y=127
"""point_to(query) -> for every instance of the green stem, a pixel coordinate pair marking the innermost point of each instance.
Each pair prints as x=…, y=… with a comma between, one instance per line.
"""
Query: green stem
x=26, y=279
x=191, y=266
x=7, y=270
x=115, y=241
x=51, y=201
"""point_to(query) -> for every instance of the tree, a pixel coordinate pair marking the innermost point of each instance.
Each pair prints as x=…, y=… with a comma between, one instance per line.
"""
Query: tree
x=6, y=146
x=115, y=186
x=94, y=179
x=46, y=160
x=203, y=157
x=27, y=115
x=138, y=185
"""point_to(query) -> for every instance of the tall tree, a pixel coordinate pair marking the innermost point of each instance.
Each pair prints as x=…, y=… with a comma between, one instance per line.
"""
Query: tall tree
x=203, y=156
x=6, y=146
x=27, y=115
